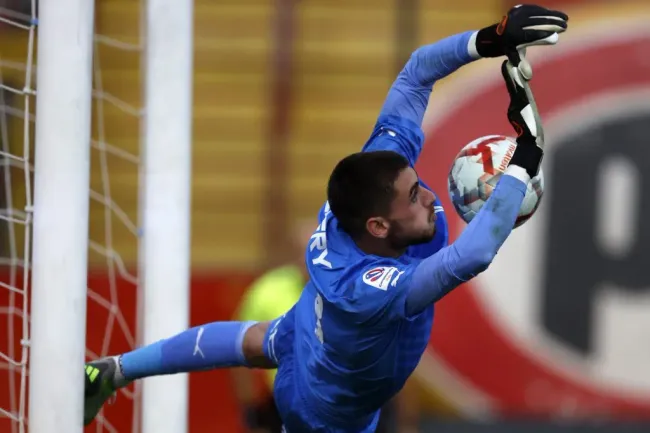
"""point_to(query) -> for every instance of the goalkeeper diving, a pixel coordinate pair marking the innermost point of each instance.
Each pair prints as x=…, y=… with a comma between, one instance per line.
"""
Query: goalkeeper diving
x=378, y=260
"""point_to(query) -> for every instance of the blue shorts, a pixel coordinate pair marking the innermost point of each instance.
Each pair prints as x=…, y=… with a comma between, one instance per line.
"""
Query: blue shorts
x=296, y=415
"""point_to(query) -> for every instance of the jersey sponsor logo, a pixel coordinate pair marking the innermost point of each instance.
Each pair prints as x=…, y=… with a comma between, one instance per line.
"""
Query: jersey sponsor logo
x=380, y=277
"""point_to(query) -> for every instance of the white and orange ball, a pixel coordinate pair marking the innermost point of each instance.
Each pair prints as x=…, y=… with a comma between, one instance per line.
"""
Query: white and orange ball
x=475, y=172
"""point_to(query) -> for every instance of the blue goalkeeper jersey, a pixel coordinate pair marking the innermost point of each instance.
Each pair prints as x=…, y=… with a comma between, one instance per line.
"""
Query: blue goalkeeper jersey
x=354, y=344
x=355, y=347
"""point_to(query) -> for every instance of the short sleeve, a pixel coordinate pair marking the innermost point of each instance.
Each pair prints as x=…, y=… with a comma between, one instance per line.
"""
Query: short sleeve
x=381, y=290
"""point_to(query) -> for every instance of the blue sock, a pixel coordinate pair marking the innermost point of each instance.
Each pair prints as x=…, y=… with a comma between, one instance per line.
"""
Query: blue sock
x=214, y=345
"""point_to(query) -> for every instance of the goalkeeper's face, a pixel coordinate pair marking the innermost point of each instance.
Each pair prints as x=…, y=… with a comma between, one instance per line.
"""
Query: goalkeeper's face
x=412, y=218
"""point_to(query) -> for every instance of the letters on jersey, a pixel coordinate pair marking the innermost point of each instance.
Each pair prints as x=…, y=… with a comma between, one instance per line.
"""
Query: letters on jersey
x=319, y=240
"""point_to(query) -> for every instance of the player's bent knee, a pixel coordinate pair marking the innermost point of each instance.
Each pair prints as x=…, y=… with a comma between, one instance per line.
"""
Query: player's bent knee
x=253, y=346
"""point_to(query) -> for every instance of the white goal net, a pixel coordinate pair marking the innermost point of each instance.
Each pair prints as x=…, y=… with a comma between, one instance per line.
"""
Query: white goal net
x=113, y=229
x=16, y=129
x=114, y=298
x=114, y=192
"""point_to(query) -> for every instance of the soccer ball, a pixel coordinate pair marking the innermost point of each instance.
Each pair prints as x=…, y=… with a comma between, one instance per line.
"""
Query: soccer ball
x=476, y=171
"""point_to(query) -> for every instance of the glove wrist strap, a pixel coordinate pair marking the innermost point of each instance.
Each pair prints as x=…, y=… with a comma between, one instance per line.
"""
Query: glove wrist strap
x=487, y=42
x=527, y=156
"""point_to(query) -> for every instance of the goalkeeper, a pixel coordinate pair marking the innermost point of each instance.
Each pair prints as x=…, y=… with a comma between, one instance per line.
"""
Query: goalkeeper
x=378, y=260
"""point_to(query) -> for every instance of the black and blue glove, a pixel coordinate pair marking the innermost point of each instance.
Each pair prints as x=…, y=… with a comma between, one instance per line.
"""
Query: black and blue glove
x=523, y=26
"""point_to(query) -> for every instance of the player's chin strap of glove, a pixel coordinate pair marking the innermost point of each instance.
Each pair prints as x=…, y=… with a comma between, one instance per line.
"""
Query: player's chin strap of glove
x=523, y=26
x=523, y=114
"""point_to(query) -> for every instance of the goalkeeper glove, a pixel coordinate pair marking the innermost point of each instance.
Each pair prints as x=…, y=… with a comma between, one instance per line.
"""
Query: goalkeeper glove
x=524, y=120
x=522, y=26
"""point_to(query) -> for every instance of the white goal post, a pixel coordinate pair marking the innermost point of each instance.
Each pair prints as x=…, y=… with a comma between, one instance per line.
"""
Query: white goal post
x=165, y=254
x=60, y=229
x=61, y=204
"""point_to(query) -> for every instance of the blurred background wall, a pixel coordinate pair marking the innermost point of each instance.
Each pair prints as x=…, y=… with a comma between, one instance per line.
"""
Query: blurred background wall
x=556, y=337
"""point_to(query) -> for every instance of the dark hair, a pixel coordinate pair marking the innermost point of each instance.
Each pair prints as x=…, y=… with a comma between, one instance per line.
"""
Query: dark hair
x=361, y=186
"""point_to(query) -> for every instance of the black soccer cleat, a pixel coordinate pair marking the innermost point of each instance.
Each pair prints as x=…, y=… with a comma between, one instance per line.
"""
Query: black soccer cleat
x=99, y=386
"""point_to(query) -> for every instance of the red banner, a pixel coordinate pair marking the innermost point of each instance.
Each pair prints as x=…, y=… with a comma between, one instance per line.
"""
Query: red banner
x=213, y=406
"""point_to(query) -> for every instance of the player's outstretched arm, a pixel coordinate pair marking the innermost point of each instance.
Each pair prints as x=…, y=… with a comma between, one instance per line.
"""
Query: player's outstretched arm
x=409, y=95
x=522, y=26
x=477, y=246
x=474, y=249
x=398, y=125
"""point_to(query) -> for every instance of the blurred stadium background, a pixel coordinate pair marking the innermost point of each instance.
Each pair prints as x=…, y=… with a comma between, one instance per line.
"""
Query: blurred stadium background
x=554, y=338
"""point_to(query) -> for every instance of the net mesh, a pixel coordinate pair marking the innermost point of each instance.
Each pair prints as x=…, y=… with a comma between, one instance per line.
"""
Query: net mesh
x=16, y=130
x=113, y=297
